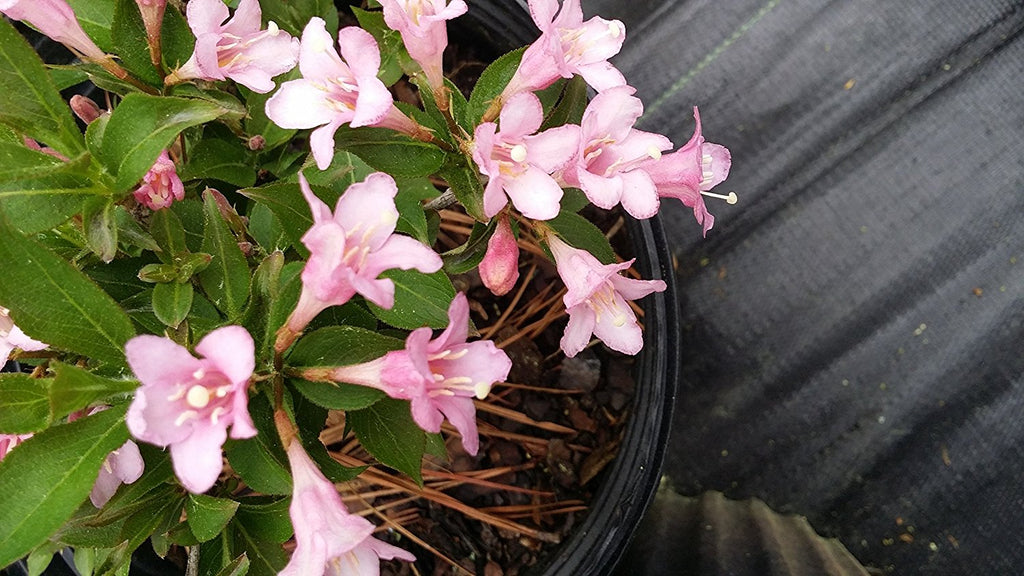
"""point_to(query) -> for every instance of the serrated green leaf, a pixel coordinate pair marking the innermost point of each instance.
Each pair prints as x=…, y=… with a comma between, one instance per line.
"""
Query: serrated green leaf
x=583, y=234
x=345, y=170
x=143, y=126
x=461, y=174
x=43, y=200
x=266, y=229
x=292, y=16
x=388, y=432
x=207, y=515
x=571, y=105
x=310, y=419
x=216, y=159
x=29, y=101
x=286, y=202
x=176, y=39
x=24, y=403
x=75, y=314
x=49, y=475
x=492, y=82
x=167, y=230
x=266, y=517
x=74, y=389
x=237, y=567
x=340, y=346
x=226, y=279
x=266, y=558
x=260, y=460
x=409, y=202
x=420, y=299
x=466, y=257
x=96, y=18
x=390, y=151
x=172, y=302
x=100, y=227
x=130, y=232
x=128, y=34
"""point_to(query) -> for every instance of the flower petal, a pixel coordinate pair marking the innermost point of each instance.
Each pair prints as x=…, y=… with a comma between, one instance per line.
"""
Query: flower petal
x=300, y=104
x=520, y=116
x=577, y=332
x=198, y=459
x=231, y=349
x=535, y=193
x=206, y=16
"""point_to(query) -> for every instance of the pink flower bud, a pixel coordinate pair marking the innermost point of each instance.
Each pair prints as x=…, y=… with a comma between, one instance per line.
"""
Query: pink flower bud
x=84, y=107
x=161, y=186
x=500, y=267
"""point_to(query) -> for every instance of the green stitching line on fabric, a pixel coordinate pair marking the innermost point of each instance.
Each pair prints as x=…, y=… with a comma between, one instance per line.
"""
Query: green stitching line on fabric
x=678, y=85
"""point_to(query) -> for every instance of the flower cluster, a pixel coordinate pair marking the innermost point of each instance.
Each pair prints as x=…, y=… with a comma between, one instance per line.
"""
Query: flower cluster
x=207, y=334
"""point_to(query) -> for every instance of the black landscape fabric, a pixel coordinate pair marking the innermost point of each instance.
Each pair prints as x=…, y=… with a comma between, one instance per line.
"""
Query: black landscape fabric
x=854, y=340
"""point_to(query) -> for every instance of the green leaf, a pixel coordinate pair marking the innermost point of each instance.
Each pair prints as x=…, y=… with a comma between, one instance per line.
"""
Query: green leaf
x=388, y=432
x=24, y=404
x=172, y=302
x=390, y=151
x=266, y=517
x=75, y=313
x=74, y=389
x=266, y=229
x=286, y=202
x=293, y=15
x=266, y=558
x=237, y=567
x=226, y=280
x=492, y=82
x=166, y=229
x=41, y=197
x=100, y=227
x=49, y=475
x=207, y=515
x=96, y=18
x=466, y=257
x=260, y=460
x=571, y=105
x=420, y=299
x=345, y=170
x=583, y=234
x=411, y=218
x=142, y=126
x=310, y=420
x=128, y=34
x=130, y=233
x=176, y=40
x=464, y=180
x=217, y=159
x=29, y=101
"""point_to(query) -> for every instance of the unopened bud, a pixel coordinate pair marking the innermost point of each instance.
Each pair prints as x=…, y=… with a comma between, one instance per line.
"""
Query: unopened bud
x=257, y=142
x=499, y=269
x=85, y=108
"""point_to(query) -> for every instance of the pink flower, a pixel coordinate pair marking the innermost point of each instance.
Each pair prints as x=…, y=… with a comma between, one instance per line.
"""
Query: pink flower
x=519, y=162
x=691, y=172
x=187, y=403
x=499, y=269
x=12, y=337
x=596, y=300
x=607, y=166
x=236, y=49
x=56, y=19
x=336, y=90
x=161, y=186
x=350, y=248
x=568, y=46
x=9, y=441
x=122, y=466
x=329, y=540
x=424, y=32
x=440, y=376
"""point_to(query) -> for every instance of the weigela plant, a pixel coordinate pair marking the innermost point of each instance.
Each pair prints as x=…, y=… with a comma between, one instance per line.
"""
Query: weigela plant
x=242, y=242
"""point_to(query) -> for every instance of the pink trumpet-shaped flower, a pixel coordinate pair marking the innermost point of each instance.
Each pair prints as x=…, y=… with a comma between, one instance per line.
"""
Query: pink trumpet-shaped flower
x=9, y=441
x=336, y=90
x=568, y=46
x=161, y=185
x=440, y=376
x=12, y=337
x=329, y=540
x=236, y=48
x=122, y=466
x=519, y=162
x=691, y=172
x=499, y=269
x=350, y=248
x=597, y=300
x=56, y=19
x=188, y=403
x=422, y=24
x=611, y=152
